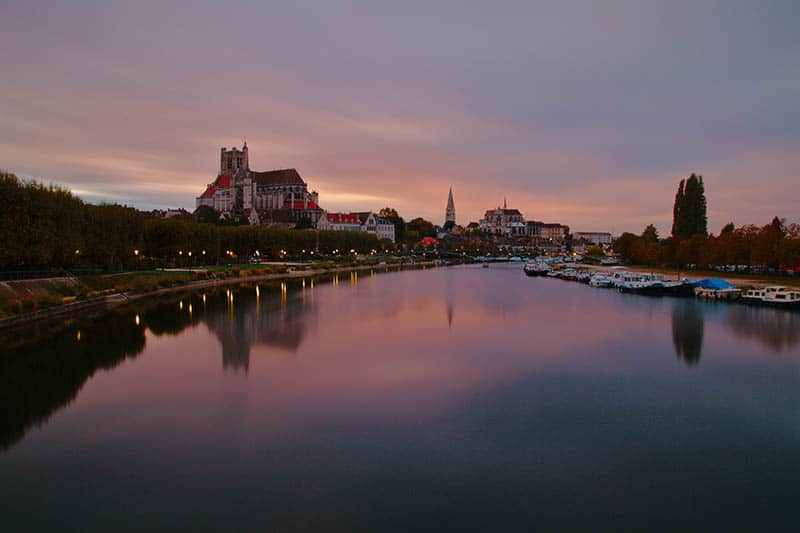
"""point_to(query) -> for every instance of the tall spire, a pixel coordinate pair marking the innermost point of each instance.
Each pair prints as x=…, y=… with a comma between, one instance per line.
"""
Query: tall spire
x=450, y=212
x=505, y=204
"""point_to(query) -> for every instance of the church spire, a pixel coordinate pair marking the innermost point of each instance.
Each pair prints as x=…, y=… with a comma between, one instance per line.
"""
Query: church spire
x=450, y=211
x=505, y=204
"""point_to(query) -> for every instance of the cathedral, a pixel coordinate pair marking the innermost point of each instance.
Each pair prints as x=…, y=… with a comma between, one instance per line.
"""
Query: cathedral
x=273, y=197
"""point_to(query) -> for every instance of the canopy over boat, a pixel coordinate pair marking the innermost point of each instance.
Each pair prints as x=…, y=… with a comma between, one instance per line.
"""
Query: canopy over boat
x=717, y=284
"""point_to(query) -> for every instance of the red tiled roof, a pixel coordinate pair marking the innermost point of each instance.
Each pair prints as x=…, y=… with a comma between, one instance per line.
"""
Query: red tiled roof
x=222, y=182
x=343, y=218
x=427, y=241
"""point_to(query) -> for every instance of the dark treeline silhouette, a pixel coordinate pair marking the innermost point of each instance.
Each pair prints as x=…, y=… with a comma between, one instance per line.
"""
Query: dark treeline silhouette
x=774, y=246
x=42, y=371
x=43, y=368
x=47, y=226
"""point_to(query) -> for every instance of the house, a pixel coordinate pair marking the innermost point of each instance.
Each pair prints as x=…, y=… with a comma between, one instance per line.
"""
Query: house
x=361, y=221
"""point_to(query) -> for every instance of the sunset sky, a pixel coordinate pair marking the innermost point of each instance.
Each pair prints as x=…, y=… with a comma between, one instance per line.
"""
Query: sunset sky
x=580, y=112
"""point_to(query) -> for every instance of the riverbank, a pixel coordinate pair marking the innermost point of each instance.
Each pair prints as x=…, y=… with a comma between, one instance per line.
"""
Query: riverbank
x=110, y=298
x=740, y=280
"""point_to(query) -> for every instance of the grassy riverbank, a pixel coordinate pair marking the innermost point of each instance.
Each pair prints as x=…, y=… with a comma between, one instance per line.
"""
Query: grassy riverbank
x=26, y=296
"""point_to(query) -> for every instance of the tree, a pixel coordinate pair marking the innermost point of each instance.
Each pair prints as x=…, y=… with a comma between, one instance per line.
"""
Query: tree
x=424, y=228
x=689, y=213
x=206, y=214
x=399, y=224
x=677, y=209
x=650, y=234
x=304, y=223
x=595, y=251
x=727, y=229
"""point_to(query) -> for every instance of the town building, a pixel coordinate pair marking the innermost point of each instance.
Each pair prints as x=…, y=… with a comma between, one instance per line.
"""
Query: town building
x=594, y=237
x=543, y=232
x=450, y=210
x=276, y=196
x=503, y=221
x=362, y=221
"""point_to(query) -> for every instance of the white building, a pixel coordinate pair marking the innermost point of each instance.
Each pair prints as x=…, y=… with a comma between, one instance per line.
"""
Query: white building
x=595, y=237
x=363, y=221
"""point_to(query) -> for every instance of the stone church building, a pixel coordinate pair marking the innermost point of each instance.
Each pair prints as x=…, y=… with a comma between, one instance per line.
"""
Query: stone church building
x=275, y=197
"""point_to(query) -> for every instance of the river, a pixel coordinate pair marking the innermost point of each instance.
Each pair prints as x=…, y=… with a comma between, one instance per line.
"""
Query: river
x=451, y=399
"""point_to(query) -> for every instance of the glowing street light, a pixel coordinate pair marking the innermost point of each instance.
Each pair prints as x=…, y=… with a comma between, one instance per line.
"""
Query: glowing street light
x=136, y=252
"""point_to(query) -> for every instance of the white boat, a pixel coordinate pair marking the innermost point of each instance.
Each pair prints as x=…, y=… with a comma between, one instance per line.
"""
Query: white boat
x=536, y=268
x=601, y=280
x=789, y=299
x=758, y=294
x=775, y=296
x=633, y=279
x=570, y=274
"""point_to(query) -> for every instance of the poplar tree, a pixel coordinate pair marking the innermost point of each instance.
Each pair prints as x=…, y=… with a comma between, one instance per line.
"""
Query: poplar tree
x=689, y=213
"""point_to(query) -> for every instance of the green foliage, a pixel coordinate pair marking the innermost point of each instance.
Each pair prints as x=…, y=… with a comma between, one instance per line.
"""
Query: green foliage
x=46, y=227
x=422, y=227
x=399, y=224
x=206, y=214
x=773, y=245
x=650, y=234
x=689, y=213
x=304, y=223
x=595, y=251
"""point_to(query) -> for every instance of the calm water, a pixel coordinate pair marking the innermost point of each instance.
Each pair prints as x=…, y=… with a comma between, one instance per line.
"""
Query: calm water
x=445, y=399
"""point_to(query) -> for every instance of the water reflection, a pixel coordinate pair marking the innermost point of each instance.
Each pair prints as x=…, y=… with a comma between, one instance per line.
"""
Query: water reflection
x=279, y=407
x=775, y=329
x=42, y=369
x=42, y=372
x=687, y=330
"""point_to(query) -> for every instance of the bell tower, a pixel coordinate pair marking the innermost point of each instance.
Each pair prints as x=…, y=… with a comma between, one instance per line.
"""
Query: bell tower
x=234, y=161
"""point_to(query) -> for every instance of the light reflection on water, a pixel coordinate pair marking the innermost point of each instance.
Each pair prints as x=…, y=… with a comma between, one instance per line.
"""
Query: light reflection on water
x=461, y=398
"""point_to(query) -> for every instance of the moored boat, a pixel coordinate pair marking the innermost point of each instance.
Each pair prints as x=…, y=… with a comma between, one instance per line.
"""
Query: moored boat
x=789, y=299
x=775, y=296
x=601, y=280
x=716, y=289
x=570, y=274
x=536, y=268
x=756, y=295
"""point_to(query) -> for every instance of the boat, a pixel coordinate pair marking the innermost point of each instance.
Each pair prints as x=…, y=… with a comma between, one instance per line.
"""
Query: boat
x=716, y=289
x=536, y=268
x=601, y=280
x=658, y=287
x=555, y=273
x=775, y=296
x=584, y=276
x=789, y=299
x=570, y=274
x=756, y=295
x=630, y=279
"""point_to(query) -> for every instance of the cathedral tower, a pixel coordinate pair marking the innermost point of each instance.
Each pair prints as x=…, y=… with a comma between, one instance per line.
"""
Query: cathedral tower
x=234, y=161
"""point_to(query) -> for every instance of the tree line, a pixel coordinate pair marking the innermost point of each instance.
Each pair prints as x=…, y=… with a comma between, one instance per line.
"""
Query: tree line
x=773, y=246
x=46, y=226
